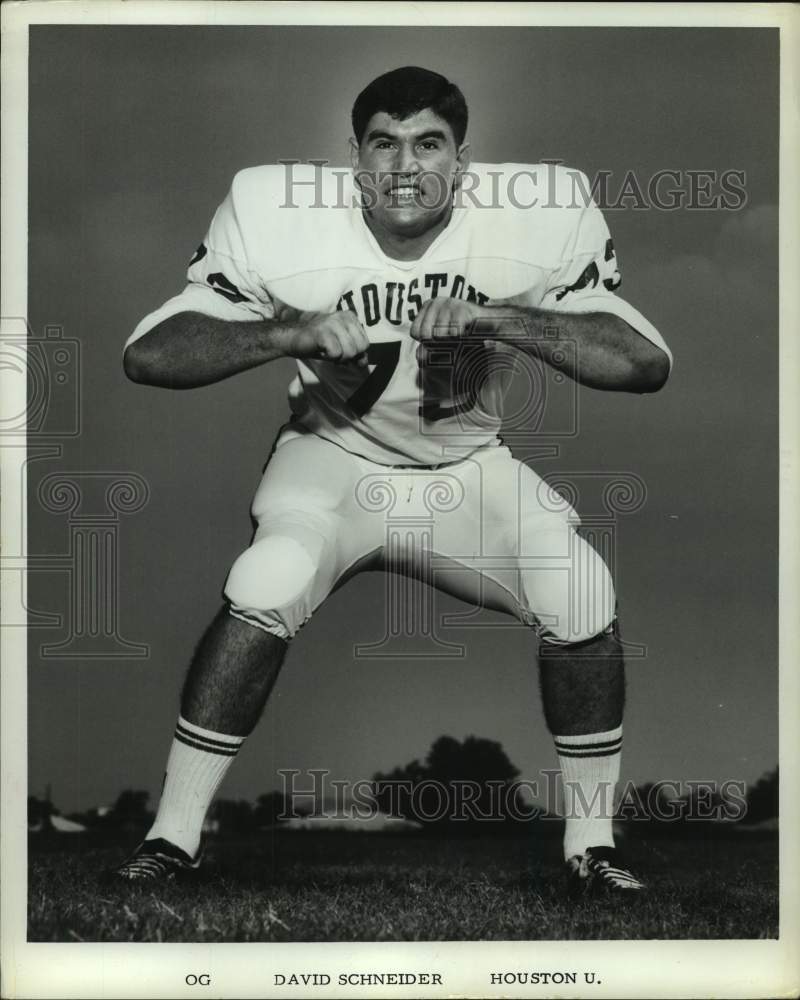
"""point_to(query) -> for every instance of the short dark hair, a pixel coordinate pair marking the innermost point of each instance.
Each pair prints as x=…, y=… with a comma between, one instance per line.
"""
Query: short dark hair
x=404, y=92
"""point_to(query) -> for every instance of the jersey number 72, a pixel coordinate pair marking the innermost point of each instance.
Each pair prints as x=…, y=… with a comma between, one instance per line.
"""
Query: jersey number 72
x=385, y=356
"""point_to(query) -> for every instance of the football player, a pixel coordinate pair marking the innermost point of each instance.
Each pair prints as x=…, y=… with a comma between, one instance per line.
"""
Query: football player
x=399, y=287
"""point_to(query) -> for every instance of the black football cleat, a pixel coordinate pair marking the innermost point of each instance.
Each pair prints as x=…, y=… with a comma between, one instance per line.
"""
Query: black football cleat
x=154, y=861
x=600, y=872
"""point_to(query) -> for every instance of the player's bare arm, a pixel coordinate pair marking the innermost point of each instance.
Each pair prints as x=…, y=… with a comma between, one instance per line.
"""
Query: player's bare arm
x=597, y=349
x=191, y=349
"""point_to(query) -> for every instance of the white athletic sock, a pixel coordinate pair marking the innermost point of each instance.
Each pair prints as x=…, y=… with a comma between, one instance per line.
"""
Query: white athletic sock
x=197, y=763
x=590, y=769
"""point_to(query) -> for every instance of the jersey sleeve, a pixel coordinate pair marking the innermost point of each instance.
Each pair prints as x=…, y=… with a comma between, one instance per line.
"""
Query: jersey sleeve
x=221, y=281
x=589, y=277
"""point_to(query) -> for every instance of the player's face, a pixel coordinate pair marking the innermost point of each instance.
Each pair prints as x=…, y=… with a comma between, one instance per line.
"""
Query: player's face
x=407, y=171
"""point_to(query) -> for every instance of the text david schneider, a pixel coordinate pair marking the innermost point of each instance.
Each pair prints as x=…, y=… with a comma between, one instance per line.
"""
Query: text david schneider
x=360, y=979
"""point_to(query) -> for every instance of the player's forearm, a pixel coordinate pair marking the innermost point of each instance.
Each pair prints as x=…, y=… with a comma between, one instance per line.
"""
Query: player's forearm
x=191, y=349
x=596, y=349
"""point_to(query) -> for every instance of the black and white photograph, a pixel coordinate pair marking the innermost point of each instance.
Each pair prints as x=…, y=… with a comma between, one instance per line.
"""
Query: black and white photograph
x=398, y=443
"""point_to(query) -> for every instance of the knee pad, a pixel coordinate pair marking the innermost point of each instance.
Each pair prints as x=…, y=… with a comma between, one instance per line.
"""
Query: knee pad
x=571, y=598
x=270, y=585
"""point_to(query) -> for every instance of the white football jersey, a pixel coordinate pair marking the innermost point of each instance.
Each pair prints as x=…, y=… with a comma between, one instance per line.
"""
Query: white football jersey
x=292, y=240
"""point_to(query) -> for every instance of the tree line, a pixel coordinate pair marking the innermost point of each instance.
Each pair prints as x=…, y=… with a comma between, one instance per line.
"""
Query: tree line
x=458, y=783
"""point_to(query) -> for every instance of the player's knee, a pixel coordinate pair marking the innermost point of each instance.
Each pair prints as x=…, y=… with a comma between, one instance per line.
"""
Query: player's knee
x=275, y=573
x=585, y=619
x=583, y=606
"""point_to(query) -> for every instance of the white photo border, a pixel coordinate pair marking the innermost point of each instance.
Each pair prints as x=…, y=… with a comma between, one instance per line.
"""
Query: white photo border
x=625, y=968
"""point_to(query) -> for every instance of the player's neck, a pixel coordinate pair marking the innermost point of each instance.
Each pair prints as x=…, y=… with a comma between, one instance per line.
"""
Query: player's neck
x=406, y=247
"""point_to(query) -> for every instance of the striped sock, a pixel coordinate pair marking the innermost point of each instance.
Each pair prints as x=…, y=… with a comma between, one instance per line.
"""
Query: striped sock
x=590, y=768
x=198, y=761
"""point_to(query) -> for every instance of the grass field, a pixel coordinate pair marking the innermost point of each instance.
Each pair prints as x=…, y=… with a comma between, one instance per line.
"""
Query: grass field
x=361, y=887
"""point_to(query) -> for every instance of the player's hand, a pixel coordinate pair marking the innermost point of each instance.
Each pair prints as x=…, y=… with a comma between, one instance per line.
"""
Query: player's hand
x=338, y=337
x=446, y=319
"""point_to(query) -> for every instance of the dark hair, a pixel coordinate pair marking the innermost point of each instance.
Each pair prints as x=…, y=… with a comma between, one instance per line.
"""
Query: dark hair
x=405, y=91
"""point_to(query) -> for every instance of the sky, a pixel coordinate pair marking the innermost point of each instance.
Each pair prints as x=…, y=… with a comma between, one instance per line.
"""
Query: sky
x=135, y=134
